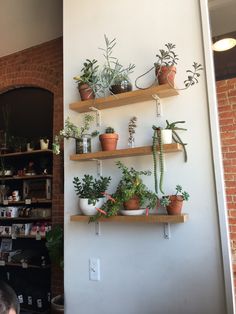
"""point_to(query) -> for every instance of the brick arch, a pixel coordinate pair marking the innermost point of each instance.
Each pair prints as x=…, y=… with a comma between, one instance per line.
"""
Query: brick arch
x=34, y=75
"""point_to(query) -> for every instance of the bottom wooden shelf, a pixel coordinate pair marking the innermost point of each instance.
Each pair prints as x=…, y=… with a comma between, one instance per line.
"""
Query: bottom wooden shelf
x=145, y=219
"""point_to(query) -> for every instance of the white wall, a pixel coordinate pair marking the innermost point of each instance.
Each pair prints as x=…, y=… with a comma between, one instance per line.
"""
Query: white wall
x=141, y=272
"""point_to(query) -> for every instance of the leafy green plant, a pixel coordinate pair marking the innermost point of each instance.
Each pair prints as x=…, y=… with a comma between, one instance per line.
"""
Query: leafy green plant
x=165, y=200
x=129, y=186
x=91, y=188
x=55, y=245
x=167, y=57
x=89, y=75
x=131, y=129
x=113, y=72
x=72, y=131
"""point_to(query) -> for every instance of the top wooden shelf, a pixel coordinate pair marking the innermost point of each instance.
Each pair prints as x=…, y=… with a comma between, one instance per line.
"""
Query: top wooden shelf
x=123, y=99
x=38, y=151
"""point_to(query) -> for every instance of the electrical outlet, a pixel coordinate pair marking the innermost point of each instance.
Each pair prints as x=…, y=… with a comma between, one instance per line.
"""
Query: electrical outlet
x=94, y=269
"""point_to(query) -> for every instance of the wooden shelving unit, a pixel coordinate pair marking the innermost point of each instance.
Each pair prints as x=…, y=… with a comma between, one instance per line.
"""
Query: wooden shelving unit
x=37, y=201
x=29, y=177
x=144, y=219
x=127, y=152
x=124, y=99
x=22, y=236
x=38, y=151
x=24, y=218
x=20, y=265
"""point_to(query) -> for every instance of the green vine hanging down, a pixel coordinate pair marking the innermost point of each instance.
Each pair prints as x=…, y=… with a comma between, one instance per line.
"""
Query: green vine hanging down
x=157, y=140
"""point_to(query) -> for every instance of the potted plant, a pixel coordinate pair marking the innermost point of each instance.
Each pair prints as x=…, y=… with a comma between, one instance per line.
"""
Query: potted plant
x=109, y=139
x=160, y=138
x=174, y=203
x=55, y=246
x=165, y=69
x=88, y=82
x=131, y=194
x=165, y=66
x=114, y=76
x=80, y=134
x=90, y=192
x=44, y=142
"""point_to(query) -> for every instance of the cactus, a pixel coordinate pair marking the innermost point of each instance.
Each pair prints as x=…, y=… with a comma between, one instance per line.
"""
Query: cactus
x=109, y=130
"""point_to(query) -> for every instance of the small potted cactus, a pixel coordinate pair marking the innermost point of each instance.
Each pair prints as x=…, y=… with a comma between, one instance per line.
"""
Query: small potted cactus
x=109, y=139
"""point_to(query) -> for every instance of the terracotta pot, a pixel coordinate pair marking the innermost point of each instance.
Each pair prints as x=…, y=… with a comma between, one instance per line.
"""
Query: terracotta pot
x=109, y=141
x=86, y=92
x=132, y=204
x=166, y=75
x=175, y=206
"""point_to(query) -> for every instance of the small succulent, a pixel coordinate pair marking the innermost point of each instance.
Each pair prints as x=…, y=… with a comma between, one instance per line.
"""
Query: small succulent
x=165, y=200
x=167, y=57
x=131, y=128
x=109, y=130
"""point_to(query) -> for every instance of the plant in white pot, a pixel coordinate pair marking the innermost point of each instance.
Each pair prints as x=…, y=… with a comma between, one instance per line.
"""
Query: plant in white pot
x=90, y=192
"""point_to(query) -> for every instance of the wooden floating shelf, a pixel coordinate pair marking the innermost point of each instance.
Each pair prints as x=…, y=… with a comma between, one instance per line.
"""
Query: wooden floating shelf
x=123, y=99
x=29, y=177
x=144, y=219
x=38, y=151
x=127, y=152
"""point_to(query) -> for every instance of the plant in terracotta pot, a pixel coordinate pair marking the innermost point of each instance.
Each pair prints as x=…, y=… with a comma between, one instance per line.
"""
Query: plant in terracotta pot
x=109, y=139
x=88, y=82
x=131, y=194
x=165, y=66
x=80, y=134
x=90, y=192
x=165, y=69
x=174, y=203
x=160, y=138
x=114, y=76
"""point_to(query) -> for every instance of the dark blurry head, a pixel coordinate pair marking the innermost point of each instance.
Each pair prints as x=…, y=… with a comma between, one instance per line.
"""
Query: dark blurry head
x=8, y=300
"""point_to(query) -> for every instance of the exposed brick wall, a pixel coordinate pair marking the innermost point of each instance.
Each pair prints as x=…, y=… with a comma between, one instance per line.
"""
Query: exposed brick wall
x=42, y=66
x=226, y=93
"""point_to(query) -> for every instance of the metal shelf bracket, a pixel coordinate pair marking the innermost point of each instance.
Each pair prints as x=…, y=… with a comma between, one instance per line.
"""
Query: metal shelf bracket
x=99, y=166
x=98, y=115
x=167, y=234
x=158, y=105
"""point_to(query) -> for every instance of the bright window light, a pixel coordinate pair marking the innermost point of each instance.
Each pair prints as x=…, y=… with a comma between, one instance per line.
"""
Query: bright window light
x=224, y=44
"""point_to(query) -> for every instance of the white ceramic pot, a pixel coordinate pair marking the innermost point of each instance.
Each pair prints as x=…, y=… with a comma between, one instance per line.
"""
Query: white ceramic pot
x=166, y=136
x=89, y=209
x=44, y=144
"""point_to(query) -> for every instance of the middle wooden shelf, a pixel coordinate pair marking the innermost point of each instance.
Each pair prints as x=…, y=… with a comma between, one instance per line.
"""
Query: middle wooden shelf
x=126, y=152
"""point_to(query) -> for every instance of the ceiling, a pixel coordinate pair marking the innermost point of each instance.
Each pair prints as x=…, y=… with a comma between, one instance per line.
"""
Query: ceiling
x=27, y=23
x=222, y=16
